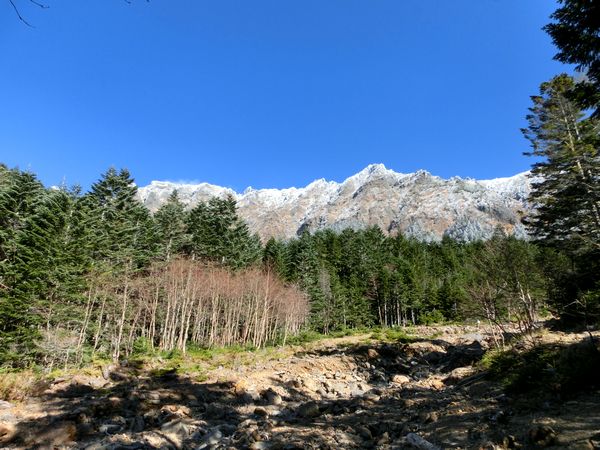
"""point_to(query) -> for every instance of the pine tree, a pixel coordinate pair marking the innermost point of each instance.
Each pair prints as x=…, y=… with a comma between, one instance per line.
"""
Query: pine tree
x=125, y=242
x=275, y=258
x=576, y=33
x=125, y=233
x=19, y=196
x=53, y=261
x=567, y=192
x=218, y=234
x=171, y=225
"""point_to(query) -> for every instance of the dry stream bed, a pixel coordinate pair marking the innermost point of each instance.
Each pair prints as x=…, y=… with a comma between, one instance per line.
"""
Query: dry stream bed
x=347, y=393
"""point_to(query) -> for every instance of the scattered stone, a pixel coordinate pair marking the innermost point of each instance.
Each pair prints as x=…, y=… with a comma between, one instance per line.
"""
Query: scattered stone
x=272, y=397
x=260, y=411
x=177, y=410
x=418, y=442
x=372, y=354
x=384, y=439
x=240, y=388
x=309, y=410
x=400, y=379
x=582, y=445
x=109, y=428
x=372, y=398
x=470, y=337
x=7, y=432
x=595, y=441
x=212, y=438
x=6, y=405
x=93, y=382
x=431, y=417
x=437, y=384
x=459, y=373
x=364, y=432
x=509, y=441
x=261, y=445
x=106, y=370
x=542, y=436
x=58, y=434
x=356, y=409
x=138, y=424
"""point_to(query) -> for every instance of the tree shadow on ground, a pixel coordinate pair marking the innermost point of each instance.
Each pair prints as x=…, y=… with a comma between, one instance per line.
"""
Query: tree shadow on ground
x=469, y=412
x=141, y=410
x=133, y=411
x=380, y=417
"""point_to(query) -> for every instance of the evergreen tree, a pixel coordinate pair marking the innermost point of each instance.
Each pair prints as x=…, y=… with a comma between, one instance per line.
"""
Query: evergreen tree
x=275, y=257
x=20, y=193
x=53, y=262
x=125, y=234
x=125, y=242
x=567, y=193
x=219, y=234
x=171, y=226
x=576, y=33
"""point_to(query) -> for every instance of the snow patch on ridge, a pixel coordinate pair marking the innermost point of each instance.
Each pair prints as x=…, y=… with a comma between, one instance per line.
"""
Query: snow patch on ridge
x=418, y=204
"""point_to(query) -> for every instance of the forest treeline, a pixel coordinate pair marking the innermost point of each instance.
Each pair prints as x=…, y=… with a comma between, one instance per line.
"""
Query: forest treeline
x=97, y=274
x=84, y=274
x=94, y=273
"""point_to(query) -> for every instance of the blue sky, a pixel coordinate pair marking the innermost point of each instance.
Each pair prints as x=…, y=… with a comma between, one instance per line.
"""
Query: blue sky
x=269, y=93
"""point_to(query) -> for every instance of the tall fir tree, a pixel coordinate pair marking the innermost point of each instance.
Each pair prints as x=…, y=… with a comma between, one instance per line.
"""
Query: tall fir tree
x=125, y=233
x=20, y=193
x=171, y=226
x=125, y=242
x=566, y=193
x=576, y=33
x=218, y=234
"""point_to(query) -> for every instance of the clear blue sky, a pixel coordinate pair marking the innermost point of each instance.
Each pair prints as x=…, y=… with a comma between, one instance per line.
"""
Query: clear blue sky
x=269, y=93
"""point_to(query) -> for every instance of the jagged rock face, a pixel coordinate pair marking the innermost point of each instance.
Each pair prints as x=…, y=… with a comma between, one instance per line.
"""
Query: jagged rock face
x=416, y=204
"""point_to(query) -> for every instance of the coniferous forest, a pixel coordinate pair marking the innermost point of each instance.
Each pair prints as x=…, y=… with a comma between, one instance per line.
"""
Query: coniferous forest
x=123, y=326
x=94, y=273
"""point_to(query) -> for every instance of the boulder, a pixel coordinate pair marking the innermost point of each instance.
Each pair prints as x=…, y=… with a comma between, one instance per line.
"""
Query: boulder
x=400, y=379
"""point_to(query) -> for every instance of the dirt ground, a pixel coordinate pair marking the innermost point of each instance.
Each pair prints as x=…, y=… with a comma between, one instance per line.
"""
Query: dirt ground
x=346, y=393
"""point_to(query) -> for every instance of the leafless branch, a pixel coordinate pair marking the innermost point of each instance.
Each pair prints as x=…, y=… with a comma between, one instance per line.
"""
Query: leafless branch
x=21, y=18
x=41, y=5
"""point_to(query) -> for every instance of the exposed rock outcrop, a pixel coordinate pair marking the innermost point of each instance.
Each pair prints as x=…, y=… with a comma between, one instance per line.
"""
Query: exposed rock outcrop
x=416, y=204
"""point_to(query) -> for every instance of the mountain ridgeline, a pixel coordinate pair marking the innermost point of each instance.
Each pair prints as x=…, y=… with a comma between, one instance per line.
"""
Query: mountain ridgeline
x=417, y=205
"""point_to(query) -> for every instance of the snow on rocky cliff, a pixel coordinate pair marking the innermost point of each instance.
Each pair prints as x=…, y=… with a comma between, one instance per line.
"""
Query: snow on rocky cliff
x=415, y=204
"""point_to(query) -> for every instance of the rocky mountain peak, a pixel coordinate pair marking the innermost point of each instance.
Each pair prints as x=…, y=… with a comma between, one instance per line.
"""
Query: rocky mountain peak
x=417, y=204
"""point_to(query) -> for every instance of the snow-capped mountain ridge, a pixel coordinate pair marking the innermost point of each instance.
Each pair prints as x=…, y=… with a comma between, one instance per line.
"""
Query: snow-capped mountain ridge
x=418, y=204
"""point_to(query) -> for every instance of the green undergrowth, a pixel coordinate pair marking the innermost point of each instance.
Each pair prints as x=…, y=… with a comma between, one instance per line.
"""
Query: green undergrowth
x=197, y=362
x=548, y=368
x=393, y=335
x=308, y=336
x=396, y=334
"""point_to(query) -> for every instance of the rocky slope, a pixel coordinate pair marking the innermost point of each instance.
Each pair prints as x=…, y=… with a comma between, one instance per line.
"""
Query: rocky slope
x=415, y=204
x=348, y=393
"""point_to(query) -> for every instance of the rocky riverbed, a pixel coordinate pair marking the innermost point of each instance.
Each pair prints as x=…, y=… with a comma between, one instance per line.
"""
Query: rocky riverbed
x=346, y=393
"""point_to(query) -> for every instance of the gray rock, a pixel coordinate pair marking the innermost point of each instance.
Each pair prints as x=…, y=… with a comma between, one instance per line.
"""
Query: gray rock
x=260, y=411
x=261, y=445
x=309, y=410
x=542, y=436
x=212, y=438
x=138, y=424
x=6, y=405
x=109, y=428
x=413, y=204
x=272, y=397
